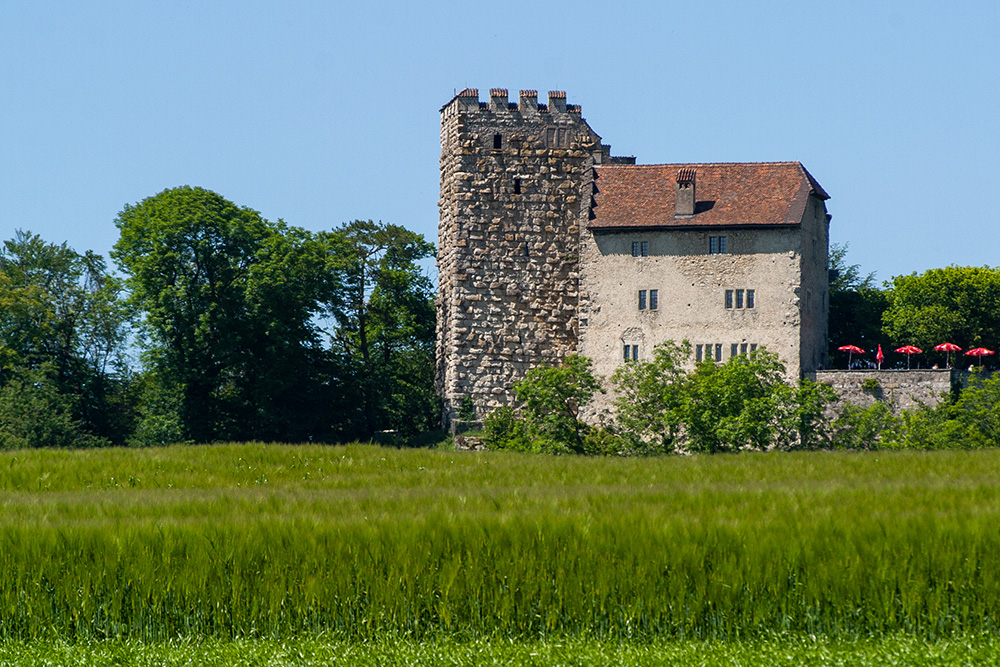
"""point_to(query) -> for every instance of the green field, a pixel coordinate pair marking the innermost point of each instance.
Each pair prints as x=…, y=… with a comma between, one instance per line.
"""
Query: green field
x=362, y=548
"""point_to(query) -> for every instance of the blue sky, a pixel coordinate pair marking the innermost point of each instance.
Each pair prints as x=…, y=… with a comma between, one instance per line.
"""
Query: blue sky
x=323, y=112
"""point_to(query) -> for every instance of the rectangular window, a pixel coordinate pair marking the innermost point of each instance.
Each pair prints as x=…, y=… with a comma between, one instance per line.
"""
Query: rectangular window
x=642, y=299
x=630, y=352
x=739, y=298
x=635, y=248
x=716, y=245
x=625, y=347
x=697, y=352
x=733, y=350
x=718, y=351
x=517, y=186
x=729, y=298
x=653, y=299
x=497, y=141
x=644, y=249
x=635, y=353
x=753, y=347
x=750, y=298
x=743, y=348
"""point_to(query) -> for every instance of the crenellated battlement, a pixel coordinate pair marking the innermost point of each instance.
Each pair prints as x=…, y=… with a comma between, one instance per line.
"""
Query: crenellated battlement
x=467, y=100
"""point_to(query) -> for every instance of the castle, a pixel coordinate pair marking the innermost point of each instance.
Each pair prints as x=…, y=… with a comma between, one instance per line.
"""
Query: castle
x=550, y=246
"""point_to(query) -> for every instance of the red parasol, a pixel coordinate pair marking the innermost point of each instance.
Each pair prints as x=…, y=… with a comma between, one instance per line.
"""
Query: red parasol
x=979, y=352
x=879, y=356
x=908, y=350
x=949, y=348
x=850, y=350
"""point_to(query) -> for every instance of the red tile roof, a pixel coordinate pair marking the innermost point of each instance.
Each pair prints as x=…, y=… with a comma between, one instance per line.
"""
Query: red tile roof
x=727, y=195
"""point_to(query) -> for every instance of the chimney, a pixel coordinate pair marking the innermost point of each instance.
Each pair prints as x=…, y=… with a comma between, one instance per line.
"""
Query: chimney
x=498, y=99
x=685, y=192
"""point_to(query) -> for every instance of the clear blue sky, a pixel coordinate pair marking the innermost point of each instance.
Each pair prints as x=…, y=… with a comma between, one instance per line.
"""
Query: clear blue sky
x=323, y=112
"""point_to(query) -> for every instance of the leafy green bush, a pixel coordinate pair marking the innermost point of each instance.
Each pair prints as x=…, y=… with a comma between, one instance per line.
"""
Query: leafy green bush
x=33, y=413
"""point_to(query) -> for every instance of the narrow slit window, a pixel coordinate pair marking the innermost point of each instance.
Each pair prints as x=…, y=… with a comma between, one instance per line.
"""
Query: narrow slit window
x=635, y=353
x=729, y=298
x=739, y=298
x=697, y=353
x=642, y=299
x=498, y=141
x=517, y=186
x=653, y=299
x=750, y=298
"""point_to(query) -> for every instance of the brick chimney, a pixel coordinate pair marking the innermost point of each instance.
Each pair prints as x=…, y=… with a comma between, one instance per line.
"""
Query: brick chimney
x=685, y=192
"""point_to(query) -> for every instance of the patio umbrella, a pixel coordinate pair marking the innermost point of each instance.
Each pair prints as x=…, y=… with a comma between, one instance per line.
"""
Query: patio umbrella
x=908, y=350
x=979, y=352
x=850, y=350
x=879, y=357
x=949, y=348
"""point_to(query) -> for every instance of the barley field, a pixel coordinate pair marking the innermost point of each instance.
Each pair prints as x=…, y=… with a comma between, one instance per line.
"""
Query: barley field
x=375, y=547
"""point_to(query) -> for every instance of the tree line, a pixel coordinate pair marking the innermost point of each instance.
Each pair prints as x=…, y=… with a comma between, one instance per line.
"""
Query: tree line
x=955, y=304
x=219, y=326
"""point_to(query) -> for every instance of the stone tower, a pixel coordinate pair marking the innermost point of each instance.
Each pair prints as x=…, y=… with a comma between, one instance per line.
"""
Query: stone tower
x=515, y=179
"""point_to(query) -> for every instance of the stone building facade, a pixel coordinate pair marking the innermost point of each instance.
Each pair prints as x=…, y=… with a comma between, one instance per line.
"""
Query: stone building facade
x=549, y=246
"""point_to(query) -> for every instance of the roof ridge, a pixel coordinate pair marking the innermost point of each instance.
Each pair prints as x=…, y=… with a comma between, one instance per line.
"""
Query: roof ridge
x=707, y=164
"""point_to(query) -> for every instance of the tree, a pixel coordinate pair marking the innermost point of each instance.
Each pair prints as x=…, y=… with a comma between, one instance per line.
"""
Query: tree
x=383, y=311
x=230, y=302
x=650, y=395
x=955, y=304
x=552, y=398
x=856, y=305
x=62, y=318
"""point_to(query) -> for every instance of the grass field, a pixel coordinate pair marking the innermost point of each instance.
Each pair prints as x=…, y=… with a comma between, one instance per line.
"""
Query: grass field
x=422, y=548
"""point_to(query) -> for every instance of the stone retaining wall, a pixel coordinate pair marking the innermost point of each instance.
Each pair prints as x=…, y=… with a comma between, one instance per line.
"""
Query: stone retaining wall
x=901, y=390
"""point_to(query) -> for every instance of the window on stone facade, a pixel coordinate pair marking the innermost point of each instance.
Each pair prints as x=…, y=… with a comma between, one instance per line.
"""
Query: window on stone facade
x=729, y=298
x=750, y=298
x=640, y=248
x=517, y=186
x=697, y=352
x=630, y=352
x=498, y=141
x=743, y=348
x=739, y=298
x=718, y=351
x=733, y=350
x=642, y=299
x=753, y=347
x=653, y=299
x=716, y=245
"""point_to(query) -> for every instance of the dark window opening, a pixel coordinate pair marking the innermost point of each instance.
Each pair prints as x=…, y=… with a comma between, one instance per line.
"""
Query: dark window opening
x=498, y=141
x=642, y=299
x=653, y=299
x=517, y=186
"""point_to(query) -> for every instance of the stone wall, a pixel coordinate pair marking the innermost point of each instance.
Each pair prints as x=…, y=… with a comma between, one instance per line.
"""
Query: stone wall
x=511, y=182
x=901, y=390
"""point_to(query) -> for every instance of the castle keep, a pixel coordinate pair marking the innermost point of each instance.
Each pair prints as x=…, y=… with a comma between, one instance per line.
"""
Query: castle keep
x=549, y=246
